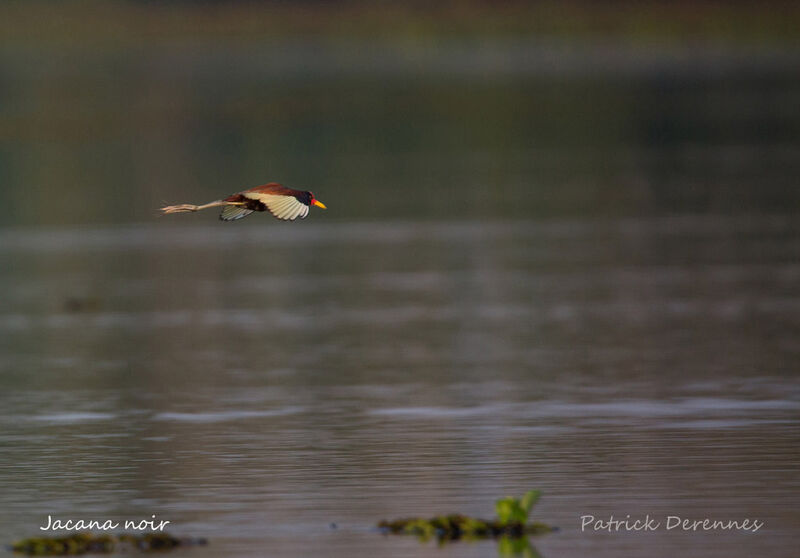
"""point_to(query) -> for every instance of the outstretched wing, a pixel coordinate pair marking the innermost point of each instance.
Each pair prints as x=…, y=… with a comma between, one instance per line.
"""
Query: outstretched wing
x=285, y=207
x=234, y=213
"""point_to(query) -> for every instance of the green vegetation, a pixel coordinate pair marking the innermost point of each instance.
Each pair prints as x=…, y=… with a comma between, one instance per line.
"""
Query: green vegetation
x=511, y=524
x=86, y=543
x=519, y=547
x=513, y=510
x=127, y=22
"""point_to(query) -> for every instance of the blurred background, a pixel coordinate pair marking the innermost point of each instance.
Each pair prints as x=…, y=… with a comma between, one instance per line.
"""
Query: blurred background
x=562, y=251
x=400, y=110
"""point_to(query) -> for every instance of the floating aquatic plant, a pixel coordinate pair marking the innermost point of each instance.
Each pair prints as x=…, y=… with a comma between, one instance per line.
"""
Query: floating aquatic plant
x=86, y=543
x=511, y=523
x=516, y=510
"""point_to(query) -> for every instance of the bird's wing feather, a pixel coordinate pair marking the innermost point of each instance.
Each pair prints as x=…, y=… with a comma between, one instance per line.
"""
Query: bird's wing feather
x=287, y=208
x=234, y=212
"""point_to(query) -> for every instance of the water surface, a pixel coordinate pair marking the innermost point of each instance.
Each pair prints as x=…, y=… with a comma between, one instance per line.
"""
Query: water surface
x=255, y=383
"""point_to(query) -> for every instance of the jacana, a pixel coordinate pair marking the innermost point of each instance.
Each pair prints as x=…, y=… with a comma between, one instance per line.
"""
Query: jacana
x=284, y=203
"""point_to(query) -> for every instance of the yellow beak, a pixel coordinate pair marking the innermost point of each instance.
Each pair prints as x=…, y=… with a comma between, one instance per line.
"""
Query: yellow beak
x=319, y=204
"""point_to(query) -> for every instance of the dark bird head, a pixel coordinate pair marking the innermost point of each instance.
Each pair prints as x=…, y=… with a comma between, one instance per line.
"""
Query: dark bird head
x=314, y=201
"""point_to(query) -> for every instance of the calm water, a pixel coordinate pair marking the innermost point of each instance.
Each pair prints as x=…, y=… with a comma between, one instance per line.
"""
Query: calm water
x=254, y=383
x=571, y=267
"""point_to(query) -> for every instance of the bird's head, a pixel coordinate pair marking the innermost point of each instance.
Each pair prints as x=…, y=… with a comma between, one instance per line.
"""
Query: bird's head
x=314, y=201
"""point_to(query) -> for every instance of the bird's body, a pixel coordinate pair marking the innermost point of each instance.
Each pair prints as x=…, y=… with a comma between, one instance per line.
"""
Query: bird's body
x=284, y=203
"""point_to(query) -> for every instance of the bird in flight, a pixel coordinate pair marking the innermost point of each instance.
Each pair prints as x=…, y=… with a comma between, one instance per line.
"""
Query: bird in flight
x=284, y=203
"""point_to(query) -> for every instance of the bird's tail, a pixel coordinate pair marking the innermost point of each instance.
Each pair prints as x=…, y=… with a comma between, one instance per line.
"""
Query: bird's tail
x=186, y=207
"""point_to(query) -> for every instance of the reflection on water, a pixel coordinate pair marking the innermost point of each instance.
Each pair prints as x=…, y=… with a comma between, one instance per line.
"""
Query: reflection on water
x=346, y=373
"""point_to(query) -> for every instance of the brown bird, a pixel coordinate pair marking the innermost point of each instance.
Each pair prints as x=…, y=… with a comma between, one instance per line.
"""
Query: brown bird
x=284, y=203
